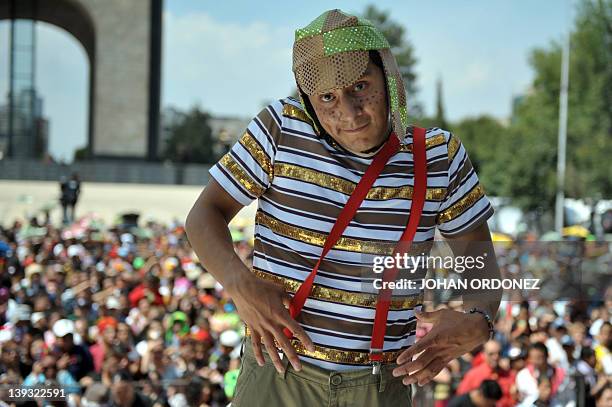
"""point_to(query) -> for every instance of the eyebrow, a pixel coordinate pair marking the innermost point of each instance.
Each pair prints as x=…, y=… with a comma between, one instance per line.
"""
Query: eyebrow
x=367, y=72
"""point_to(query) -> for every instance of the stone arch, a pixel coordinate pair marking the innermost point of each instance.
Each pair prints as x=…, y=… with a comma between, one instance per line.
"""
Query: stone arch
x=122, y=40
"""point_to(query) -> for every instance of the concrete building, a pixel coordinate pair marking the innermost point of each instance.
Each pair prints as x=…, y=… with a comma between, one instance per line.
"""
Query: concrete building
x=122, y=40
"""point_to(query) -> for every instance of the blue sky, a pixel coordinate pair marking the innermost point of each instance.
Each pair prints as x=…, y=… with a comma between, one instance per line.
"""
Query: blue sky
x=231, y=57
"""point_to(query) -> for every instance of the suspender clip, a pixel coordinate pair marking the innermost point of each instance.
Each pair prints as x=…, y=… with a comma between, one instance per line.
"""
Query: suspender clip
x=375, y=363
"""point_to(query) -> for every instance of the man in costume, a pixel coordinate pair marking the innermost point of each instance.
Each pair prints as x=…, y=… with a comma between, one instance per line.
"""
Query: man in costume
x=340, y=178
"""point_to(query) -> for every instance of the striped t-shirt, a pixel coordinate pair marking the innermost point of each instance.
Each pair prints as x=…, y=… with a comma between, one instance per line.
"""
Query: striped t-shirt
x=302, y=182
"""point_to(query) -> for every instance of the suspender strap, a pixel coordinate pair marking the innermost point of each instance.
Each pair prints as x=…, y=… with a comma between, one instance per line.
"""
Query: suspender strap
x=347, y=214
x=416, y=209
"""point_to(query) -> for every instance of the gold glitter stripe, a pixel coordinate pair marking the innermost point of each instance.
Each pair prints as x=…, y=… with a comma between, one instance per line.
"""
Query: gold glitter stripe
x=460, y=206
x=240, y=175
x=434, y=141
x=337, y=355
x=347, y=187
x=253, y=147
x=318, y=239
x=340, y=296
x=296, y=113
x=453, y=147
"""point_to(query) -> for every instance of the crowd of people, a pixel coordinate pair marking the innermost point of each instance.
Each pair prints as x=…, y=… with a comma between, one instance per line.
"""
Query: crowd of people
x=551, y=346
x=126, y=316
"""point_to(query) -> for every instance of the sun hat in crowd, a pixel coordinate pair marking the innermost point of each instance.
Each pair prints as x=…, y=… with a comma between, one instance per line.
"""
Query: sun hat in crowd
x=178, y=400
x=6, y=333
x=515, y=353
x=112, y=302
x=32, y=269
x=37, y=316
x=230, y=338
x=63, y=327
x=20, y=313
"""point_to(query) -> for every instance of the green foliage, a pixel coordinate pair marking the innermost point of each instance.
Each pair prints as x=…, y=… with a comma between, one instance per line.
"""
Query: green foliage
x=440, y=117
x=191, y=139
x=485, y=139
x=532, y=158
x=402, y=50
x=81, y=154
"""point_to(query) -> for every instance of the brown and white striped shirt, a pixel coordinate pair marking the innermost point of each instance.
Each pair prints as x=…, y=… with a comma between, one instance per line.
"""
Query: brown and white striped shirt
x=303, y=181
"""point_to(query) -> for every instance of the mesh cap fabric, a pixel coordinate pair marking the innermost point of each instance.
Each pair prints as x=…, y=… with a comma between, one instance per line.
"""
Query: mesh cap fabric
x=332, y=52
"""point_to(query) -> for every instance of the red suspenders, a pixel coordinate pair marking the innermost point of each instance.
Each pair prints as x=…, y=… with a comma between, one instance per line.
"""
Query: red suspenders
x=347, y=214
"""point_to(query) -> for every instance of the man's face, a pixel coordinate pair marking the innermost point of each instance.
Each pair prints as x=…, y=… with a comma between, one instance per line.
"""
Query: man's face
x=605, y=335
x=65, y=343
x=492, y=350
x=355, y=116
x=123, y=393
x=109, y=335
x=605, y=400
x=537, y=358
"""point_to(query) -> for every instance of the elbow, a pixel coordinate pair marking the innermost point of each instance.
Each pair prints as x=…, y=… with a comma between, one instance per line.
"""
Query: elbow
x=191, y=221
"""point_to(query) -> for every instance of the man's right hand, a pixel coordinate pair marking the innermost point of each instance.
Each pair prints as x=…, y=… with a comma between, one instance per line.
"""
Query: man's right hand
x=263, y=306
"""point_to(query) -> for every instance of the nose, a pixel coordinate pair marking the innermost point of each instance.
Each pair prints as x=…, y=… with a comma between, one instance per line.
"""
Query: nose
x=350, y=108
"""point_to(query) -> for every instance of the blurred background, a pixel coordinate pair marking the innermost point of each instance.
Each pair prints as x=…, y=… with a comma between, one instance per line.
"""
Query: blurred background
x=153, y=92
x=112, y=111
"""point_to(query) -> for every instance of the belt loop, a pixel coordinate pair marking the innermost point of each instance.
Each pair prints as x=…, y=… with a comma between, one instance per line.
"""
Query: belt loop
x=382, y=377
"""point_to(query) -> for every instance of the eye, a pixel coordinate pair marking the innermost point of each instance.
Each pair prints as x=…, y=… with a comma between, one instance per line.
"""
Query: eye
x=328, y=97
x=360, y=86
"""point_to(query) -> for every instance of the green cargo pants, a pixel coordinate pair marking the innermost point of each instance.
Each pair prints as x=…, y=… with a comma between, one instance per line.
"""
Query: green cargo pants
x=314, y=386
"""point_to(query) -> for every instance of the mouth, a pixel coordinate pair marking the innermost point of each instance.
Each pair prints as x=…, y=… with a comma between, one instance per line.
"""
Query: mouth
x=356, y=130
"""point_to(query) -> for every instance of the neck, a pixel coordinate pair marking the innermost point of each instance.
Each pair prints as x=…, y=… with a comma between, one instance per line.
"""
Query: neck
x=372, y=151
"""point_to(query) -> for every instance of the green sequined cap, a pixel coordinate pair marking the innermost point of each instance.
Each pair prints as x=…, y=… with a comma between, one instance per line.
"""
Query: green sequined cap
x=333, y=52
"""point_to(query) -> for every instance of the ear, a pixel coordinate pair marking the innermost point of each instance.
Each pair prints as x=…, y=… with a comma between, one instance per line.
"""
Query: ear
x=310, y=112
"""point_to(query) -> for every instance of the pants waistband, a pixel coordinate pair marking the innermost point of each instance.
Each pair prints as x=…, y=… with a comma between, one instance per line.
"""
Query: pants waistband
x=309, y=371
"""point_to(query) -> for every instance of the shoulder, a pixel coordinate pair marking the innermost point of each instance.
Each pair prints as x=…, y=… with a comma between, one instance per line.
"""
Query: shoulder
x=293, y=111
x=434, y=136
x=438, y=142
x=284, y=107
x=523, y=375
x=283, y=114
x=477, y=371
x=283, y=119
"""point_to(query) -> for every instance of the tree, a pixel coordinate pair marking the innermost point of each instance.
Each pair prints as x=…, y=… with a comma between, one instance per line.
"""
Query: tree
x=486, y=140
x=402, y=50
x=531, y=164
x=191, y=139
x=440, y=119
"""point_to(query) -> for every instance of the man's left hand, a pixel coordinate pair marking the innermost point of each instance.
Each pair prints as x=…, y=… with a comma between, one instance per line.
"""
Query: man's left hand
x=453, y=334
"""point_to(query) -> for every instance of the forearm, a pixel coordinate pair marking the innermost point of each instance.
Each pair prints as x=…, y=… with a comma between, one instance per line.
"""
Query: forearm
x=210, y=238
x=486, y=299
x=478, y=247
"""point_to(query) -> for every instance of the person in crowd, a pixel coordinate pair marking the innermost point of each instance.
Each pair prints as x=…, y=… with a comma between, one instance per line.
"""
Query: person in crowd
x=77, y=358
x=125, y=394
x=538, y=375
x=603, y=395
x=70, y=189
x=59, y=291
x=490, y=369
x=603, y=349
x=487, y=394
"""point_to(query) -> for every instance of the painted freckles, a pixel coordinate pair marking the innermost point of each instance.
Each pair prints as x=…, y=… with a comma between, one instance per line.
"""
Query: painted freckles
x=356, y=116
